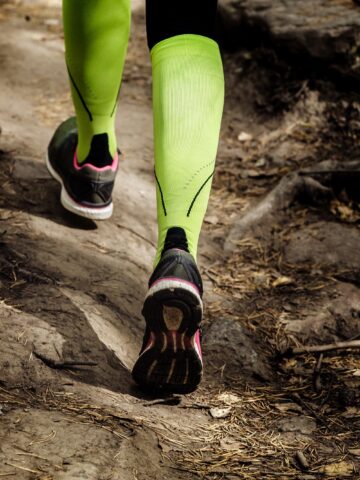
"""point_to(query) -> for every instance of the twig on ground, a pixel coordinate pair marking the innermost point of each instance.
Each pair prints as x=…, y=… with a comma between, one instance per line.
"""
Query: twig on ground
x=173, y=401
x=317, y=376
x=327, y=172
x=322, y=348
x=22, y=468
x=212, y=277
x=301, y=459
x=39, y=457
x=196, y=406
x=63, y=364
x=119, y=225
x=296, y=397
x=46, y=439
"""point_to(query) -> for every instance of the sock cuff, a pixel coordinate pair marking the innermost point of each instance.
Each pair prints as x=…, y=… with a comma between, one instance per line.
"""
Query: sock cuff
x=186, y=45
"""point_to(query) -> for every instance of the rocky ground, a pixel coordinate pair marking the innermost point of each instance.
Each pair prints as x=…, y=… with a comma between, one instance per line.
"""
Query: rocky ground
x=279, y=255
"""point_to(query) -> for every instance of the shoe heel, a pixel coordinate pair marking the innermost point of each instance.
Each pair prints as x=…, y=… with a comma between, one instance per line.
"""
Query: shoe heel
x=172, y=360
x=173, y=304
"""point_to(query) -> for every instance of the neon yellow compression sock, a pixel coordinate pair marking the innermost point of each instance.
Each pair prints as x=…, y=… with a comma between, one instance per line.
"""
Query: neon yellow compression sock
x=188, y=99
x=96, y=37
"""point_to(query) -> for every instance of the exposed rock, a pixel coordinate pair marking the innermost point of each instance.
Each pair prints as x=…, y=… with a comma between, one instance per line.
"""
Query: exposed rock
x=326, y=30
x=333, y=320
x=296, y=428
x=20, y=335
x=227, y=343
x=328, y=245
x=302, y=424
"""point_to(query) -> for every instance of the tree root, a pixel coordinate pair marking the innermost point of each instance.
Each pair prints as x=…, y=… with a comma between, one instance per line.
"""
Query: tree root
x=304, y=186
x=290, y=188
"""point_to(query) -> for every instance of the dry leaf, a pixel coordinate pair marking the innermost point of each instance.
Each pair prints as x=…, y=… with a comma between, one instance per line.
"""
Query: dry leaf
x=355, y=451
x=244, y=137
x=280, y=281
x=351, y=412
x=220, y=412
x=251, y=173
x=260, y=279
x=230, y=445
x=288, y=407
x=212, y=219
x=342, y=469
x=345, y=212
x=228, y=398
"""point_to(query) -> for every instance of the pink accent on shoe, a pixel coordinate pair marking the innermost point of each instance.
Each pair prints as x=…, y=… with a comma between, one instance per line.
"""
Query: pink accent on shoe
x=198, y=344
x=150, y=343
x=112, y=167
x=177, y=280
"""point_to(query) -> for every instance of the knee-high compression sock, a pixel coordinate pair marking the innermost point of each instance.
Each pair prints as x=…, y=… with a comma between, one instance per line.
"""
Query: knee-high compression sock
x=96, y=38
x=188, y=97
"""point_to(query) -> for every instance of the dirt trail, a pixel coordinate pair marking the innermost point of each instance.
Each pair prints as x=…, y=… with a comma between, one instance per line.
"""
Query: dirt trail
x=72, y=290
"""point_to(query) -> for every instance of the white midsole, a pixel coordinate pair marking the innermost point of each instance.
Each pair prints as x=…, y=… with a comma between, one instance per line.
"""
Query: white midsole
x=170, y=283
x=67, y=202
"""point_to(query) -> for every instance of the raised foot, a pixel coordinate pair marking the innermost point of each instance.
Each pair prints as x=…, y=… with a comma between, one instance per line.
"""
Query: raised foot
x=169, y=363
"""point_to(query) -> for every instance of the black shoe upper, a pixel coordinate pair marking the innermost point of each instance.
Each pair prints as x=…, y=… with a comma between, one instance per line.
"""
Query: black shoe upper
x=86, y=184
x=176, y=263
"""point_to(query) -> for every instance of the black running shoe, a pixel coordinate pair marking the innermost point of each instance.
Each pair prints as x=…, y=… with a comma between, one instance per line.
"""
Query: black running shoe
x=170, y=359
x=86, y=188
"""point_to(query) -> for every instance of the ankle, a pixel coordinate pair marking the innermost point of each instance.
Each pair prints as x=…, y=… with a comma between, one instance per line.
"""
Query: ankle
x=175, y=238
x=99, y=155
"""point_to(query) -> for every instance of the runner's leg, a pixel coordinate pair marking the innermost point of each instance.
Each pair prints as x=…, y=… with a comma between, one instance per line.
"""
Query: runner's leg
x=188, y=95
x=82, y=154
x=96, y=38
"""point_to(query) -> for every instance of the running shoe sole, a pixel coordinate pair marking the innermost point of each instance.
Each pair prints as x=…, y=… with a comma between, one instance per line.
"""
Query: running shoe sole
x=95, y=213
x=171, y=362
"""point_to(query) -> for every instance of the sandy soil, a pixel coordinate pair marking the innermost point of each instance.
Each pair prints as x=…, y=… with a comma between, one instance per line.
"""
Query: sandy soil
x=72, y=290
